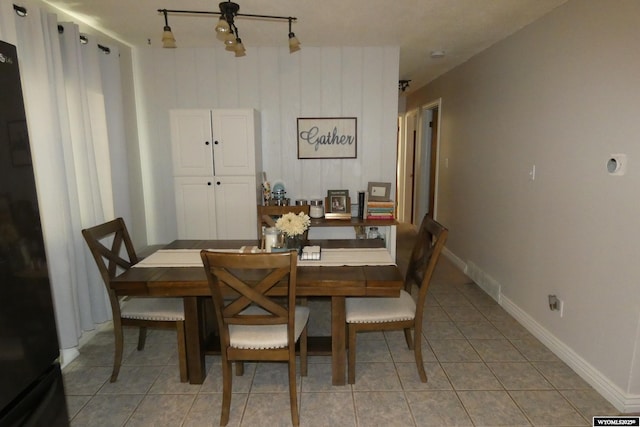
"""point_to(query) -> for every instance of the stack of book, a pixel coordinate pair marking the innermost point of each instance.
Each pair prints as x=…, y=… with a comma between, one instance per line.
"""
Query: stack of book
x=380, y=209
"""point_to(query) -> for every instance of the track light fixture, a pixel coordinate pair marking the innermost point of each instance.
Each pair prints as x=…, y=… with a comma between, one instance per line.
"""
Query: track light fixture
x=226, y=28
x=294, y=43
x=167, y=36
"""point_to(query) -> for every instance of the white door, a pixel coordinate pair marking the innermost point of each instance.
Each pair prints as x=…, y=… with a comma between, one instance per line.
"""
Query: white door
x=196, y=207
x=234, y=139
x=236, y=213
x=191, y=142
x=406, y=172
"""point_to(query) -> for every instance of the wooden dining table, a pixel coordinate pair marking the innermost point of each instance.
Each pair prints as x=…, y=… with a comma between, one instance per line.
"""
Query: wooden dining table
x=334, y=282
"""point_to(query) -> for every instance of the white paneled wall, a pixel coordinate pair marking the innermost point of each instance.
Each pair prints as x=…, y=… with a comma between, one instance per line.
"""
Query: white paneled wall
x=357, y=82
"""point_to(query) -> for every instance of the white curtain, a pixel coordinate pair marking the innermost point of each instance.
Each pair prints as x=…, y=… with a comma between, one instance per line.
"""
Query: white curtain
x=74, y=146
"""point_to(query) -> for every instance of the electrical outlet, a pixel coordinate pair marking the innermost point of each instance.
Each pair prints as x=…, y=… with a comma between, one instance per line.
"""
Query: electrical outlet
x=556, y=304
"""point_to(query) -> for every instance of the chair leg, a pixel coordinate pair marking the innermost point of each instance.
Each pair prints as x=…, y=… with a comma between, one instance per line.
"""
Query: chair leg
x=142, y=338
x=293, y=401
x=303, y=353
x=417, y=351
x=226, y=392
x=182, y=352
x=352, y=354
x=119, y=344
x=239, y=369
x=408, y=339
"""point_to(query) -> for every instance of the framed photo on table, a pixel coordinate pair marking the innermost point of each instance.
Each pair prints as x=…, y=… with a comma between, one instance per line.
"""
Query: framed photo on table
x=379, y=191
x=338, y=205
x=327, y=137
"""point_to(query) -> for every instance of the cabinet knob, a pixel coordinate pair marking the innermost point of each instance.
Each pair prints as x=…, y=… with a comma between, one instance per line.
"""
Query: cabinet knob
x=218, y=182
x=215, y=142
x=206, y=143
x=209, y=183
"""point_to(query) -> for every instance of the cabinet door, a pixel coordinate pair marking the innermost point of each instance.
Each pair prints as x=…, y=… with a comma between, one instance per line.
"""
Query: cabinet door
x=234, y=135
x=236, y=212
x=196, y=207
x=191, y=142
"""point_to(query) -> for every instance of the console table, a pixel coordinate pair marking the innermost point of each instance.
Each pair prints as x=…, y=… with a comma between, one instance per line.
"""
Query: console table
x=321, y=229
x=358, y=225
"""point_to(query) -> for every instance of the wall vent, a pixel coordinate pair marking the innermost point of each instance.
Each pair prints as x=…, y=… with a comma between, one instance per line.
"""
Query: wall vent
x=482, y=279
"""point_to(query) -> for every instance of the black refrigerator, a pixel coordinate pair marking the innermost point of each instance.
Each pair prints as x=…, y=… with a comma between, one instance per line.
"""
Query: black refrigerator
x=31, y=388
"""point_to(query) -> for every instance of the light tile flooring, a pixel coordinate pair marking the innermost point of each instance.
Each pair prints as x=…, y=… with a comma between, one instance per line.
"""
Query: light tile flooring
x=484, y=369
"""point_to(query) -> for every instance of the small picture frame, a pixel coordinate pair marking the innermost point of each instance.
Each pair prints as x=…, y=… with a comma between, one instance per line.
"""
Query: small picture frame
x=338, y=204
x=379, y=191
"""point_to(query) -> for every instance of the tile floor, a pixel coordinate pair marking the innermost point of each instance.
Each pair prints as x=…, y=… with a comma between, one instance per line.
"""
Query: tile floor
x=484, y=370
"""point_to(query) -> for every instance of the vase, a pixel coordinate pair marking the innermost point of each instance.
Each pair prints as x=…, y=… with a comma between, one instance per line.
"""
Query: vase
x=294, y=242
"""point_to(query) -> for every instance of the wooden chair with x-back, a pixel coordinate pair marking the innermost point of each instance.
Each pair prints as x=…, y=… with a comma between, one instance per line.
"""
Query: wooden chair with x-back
x=253, y=324
x=113, y=252
x=402, y=313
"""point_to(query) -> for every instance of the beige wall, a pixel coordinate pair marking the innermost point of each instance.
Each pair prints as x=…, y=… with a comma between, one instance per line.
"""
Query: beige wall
x=562, y=94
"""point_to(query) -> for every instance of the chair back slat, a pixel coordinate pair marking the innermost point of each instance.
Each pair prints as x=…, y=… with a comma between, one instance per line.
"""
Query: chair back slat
x=252, y=295
x=106, y=242
x=424, y=256
x=241, y=281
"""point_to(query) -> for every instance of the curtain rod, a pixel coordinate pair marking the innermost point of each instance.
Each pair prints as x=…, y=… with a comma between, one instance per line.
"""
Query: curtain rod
x=21, y=11
x=84, y=39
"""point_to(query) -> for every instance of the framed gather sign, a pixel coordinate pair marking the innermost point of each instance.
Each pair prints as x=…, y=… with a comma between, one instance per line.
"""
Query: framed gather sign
x=327, y=137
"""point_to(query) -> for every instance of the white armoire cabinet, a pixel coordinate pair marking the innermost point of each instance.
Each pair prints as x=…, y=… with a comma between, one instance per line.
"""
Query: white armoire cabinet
x=216, y=163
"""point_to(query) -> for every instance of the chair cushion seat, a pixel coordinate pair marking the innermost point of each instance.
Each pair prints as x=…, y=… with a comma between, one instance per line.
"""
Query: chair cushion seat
x=379, y=310
x=265, y=336
x=170, y=309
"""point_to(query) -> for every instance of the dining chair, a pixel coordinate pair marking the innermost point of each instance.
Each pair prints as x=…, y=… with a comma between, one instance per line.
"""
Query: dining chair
x=267, y=216
x=253, y=324
x=402, y=313
x=106, y=242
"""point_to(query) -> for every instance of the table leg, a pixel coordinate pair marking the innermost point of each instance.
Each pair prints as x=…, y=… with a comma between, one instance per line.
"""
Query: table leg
x=195, y=354
x=338, y=340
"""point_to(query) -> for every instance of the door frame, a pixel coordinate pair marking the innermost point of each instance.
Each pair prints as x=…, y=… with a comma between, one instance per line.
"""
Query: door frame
x=434, y=143
x=407, y=133
x=411, y=130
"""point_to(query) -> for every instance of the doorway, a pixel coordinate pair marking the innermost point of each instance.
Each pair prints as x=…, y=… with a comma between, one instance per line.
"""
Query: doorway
x=418, y=163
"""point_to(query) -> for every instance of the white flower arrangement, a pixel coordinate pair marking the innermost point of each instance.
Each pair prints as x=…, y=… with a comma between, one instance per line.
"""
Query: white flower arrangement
x=293, y=225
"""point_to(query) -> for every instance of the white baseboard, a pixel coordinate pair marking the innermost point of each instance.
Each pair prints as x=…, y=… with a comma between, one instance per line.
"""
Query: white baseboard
x=625, y=403
x=68, y=355
x=454, y=259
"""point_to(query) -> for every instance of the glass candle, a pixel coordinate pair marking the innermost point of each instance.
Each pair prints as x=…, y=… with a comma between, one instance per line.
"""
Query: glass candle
x=316, y=210
x=270, y=238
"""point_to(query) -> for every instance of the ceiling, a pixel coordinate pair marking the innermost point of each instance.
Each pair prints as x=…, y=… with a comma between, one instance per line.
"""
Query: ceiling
x=460, y=28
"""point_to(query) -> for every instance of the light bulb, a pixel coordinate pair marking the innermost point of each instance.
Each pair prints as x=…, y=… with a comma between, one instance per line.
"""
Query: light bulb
x=168, y=41
x=294, y=43
x=230, y=40
x=240, y=50
x=223, y=26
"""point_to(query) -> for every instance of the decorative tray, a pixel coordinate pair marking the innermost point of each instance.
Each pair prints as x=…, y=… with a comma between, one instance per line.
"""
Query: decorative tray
x=310, y=253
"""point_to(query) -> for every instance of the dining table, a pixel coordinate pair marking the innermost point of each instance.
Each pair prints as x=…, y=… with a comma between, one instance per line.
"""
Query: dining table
x=367, y=271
